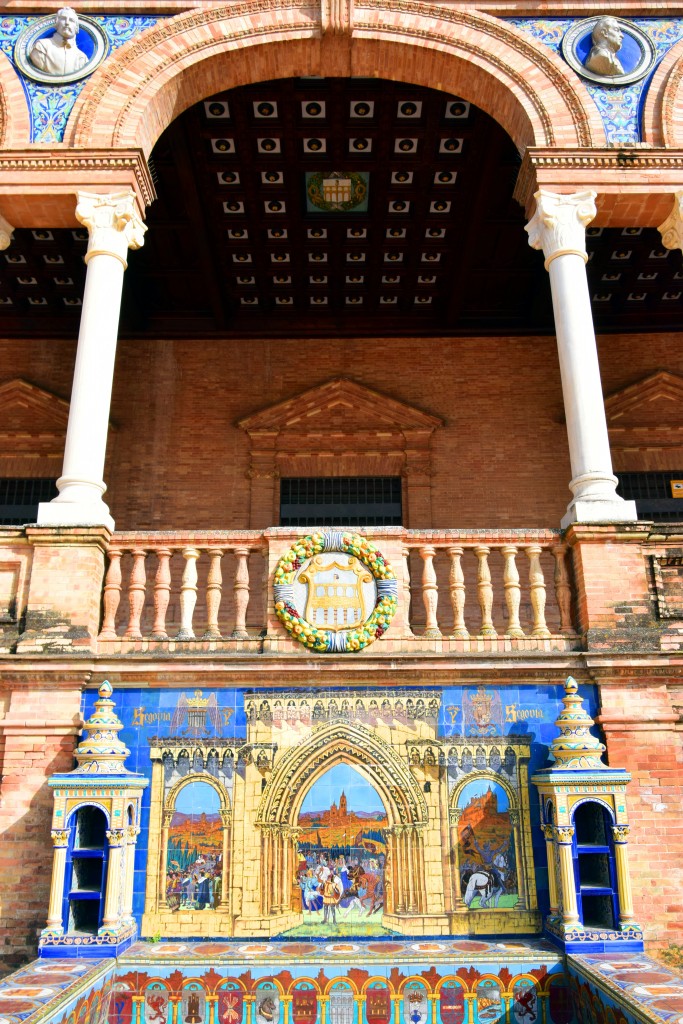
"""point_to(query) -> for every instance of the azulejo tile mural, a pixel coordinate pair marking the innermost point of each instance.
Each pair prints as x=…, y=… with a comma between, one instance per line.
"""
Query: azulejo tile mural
x=620, y=106
x=338, y=813
x=402, y=982
x=50, y=105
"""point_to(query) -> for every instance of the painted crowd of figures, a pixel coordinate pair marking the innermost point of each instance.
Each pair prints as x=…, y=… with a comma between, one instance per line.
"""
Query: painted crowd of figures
x=329, y=885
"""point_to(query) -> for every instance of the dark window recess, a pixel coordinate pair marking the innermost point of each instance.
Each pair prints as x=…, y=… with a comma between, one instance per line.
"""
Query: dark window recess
x=20, y=497
x=594, y=867
x=341, y=501
x=86, y=871
x=653, y=494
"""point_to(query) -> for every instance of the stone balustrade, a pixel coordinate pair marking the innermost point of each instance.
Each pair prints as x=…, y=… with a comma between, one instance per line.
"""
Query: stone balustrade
x=504, y=589
x=154, y=580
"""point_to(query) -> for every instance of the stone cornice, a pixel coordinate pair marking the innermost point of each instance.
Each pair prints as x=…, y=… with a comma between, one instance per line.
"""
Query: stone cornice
x=607, y=170
x=33, y=170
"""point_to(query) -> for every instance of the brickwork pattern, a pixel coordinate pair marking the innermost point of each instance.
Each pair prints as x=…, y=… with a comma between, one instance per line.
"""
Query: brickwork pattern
x=37, y=737
x=152, y=79
x=178, y=460
x=641, y=731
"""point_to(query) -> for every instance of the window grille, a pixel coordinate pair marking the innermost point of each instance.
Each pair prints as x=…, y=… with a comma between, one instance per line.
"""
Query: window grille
x=20, y=497
x=653, y=494
x=341, y=501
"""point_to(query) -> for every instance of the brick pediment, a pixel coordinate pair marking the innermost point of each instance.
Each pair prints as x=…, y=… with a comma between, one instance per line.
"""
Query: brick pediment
x=653, y=403
x=340, y=428
x=31, y=420
x=340, y=405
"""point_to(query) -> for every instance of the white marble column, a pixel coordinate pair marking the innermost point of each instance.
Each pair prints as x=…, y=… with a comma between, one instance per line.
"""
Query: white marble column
x=672, y=228
x=558, y=227
x=114, y=226
x=6, y=233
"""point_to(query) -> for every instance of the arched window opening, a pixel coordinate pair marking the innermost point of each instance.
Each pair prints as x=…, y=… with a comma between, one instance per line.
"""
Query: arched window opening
x=86, y=872
x=594, y=867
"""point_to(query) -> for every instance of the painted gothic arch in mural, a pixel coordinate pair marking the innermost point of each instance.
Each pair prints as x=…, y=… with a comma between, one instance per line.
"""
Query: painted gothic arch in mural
x=335, y=744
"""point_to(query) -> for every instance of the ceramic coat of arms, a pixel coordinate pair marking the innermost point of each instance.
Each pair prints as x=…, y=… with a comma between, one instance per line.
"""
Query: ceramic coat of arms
x=335, y=592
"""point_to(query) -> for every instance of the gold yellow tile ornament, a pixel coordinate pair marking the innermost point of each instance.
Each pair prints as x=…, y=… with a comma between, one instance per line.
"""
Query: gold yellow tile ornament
x=315, y=637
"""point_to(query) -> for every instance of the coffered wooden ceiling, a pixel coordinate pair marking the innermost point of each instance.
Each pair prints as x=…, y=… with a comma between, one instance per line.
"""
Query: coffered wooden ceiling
x=341, y=207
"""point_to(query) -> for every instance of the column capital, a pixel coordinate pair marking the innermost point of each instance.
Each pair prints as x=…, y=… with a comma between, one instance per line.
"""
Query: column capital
x=671, y=229
x=6, y=232
x=116, y=836
x=60, y=836
x=558, y=226
x=563, y=834
x=621, y=833
x=113, y=222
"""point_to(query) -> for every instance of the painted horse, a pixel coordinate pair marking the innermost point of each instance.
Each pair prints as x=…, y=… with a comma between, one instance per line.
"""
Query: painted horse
x=487, y=885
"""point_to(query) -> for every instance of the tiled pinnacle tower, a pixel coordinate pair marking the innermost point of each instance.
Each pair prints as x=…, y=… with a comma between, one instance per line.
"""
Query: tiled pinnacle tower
x=95, y=824
x=584, y=821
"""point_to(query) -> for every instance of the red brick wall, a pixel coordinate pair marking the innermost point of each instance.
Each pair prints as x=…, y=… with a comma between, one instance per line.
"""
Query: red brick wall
x=177, y=459
x=37, y=737
x=640, y=728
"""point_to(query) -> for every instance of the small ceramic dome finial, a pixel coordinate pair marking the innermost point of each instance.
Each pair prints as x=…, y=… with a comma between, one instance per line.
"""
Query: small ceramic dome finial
x=575, y=747
x=101, y=752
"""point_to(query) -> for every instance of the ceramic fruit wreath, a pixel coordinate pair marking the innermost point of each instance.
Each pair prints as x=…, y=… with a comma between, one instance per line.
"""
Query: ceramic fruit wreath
x=318, y=638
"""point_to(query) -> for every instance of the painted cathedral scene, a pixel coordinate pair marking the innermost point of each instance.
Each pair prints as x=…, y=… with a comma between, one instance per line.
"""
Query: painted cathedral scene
x=342, y=854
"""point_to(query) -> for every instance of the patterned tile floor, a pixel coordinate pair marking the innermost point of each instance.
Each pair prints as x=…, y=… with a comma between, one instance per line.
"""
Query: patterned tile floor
x=653, y=989
x=27, y=992
x=646, y=989
x=460, y=951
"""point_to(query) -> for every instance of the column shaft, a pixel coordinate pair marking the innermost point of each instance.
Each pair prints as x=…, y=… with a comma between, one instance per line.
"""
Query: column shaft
x=558, y=228
x=54, y=914
x=114, y=226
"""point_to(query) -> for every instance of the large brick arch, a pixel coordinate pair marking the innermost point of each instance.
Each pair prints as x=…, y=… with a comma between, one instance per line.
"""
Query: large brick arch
x=663, y=111
x=151, y=80
x=15, y=122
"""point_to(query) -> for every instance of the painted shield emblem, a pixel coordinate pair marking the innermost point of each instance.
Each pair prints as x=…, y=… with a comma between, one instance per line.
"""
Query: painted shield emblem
x=156, y=1005
x=121, y=1007
x=415, y=1005
x=230, y=1006
x=193, y=1004
x=267, y=1005
x=342, y=1005
x=489, y=1003
x=525, y=1002
x=560, y=1004
x=452, y=1004
x=304, y=1006
x=378, y=1006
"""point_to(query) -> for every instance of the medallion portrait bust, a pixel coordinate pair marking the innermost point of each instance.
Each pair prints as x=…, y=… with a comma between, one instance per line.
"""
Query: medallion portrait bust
x=59, y=54
x=607, y=39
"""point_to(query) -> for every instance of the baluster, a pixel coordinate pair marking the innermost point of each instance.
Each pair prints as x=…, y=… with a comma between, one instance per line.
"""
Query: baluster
x=241, y=589
x=188, y=594
x=485, y=591
x=214, y=591
x=162, y=594
x=457, y=587
x=563, y=589
x=112, y=595
x=407, y=631
x=430, y=592
x=512, y=591
x=537, y=589
x=136, y=594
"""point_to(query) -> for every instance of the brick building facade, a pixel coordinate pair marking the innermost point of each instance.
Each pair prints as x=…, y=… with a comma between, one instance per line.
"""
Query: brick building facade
x=268, y=334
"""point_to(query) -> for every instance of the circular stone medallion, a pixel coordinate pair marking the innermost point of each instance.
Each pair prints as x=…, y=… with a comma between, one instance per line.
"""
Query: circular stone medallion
x=635, y=55
x=325, y=586
x=91, y=40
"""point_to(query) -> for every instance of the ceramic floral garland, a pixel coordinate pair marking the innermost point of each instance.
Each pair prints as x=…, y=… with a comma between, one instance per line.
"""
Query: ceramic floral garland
x=315, y=637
